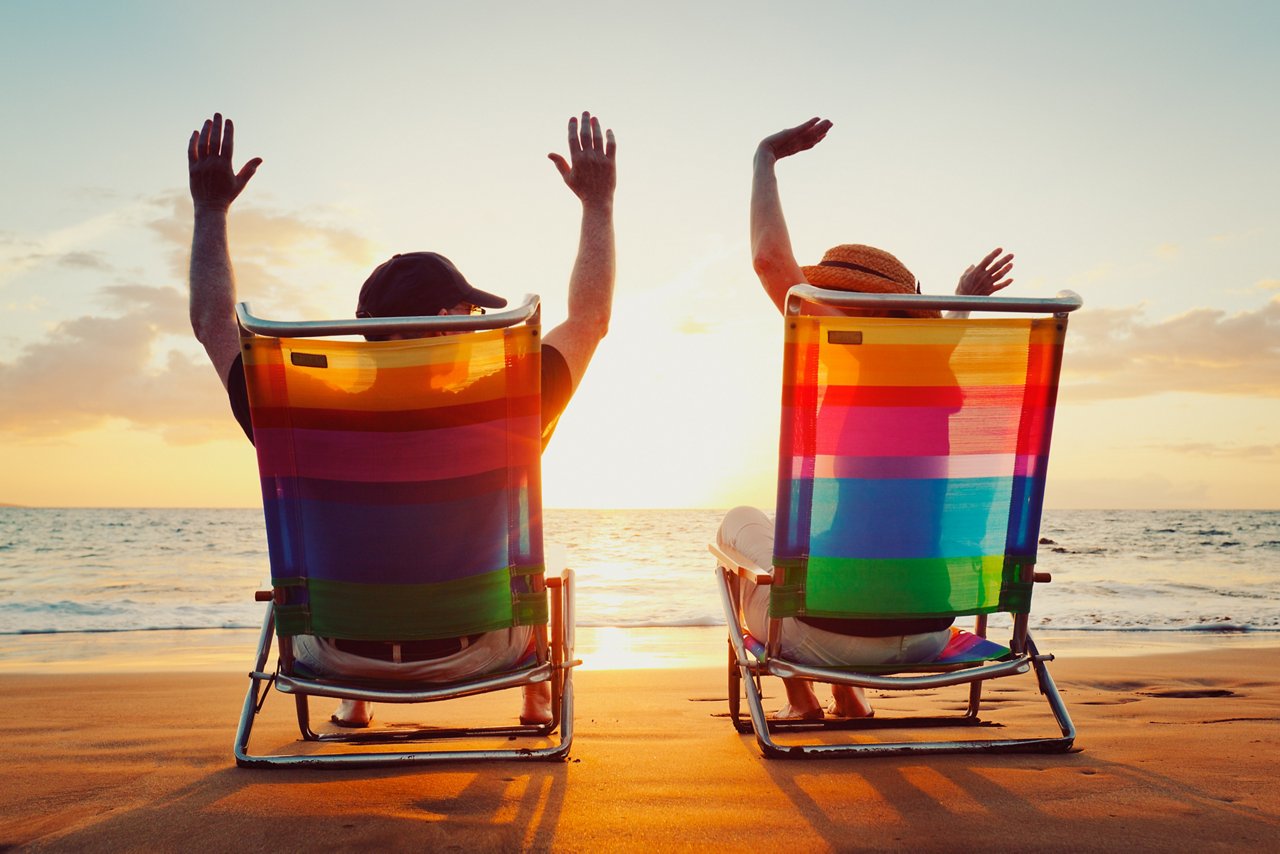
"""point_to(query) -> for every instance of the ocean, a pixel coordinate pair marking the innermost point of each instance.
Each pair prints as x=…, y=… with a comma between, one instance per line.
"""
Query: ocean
x=135, y=570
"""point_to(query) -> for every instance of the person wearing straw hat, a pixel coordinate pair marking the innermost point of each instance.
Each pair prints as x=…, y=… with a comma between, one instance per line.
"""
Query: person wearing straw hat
x=747, y=531
x=411, y=285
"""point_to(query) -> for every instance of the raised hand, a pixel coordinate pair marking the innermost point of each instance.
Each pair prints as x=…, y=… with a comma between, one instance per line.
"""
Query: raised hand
x=983, y=279
x=791, y=141
x=214, y=183
x=591, y=169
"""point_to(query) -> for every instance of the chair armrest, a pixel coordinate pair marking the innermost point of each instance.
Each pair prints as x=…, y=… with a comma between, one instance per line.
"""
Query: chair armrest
x=751, y=572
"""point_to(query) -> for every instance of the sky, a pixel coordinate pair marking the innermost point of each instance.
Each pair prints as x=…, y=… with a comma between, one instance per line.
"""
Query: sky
x=1125, y=151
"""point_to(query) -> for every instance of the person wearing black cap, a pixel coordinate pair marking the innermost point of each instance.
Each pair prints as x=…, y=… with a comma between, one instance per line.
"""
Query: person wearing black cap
x=413, y=284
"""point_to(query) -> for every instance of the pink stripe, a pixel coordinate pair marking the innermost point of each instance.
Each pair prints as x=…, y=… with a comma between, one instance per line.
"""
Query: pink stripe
x=396, y=457
x=884, y=431
x=1030, y=465
x=906, y=431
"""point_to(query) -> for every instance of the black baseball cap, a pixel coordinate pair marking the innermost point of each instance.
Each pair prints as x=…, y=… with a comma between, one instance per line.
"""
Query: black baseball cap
x=418, y=284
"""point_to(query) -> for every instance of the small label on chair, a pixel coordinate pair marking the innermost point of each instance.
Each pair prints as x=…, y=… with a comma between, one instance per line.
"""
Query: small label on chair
x=309, y=360
x=836, y=336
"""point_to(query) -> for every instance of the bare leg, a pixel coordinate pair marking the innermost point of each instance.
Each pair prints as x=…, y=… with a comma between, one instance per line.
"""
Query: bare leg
x=536, y=708
x=353, y=713
x=802, y=702
x=850, y=701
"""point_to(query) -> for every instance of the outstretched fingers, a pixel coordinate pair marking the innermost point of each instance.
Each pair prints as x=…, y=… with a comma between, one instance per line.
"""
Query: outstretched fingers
x=202, y=145
x=246, y=171
x=611, y=144
x=228, y=139
x=575, y=141
x=597, y=138
x=215, y=138
x=561, y=165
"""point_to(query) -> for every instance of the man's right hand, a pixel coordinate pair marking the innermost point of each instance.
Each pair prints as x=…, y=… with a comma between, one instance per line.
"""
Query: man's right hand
x=214, y=184
x=794, y=140
x=591, y=170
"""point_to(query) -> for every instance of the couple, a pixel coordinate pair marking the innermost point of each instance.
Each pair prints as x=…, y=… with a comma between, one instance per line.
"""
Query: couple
x=425, y=283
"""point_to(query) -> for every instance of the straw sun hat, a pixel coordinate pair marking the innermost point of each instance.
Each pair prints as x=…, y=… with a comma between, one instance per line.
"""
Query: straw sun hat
x=866, y=269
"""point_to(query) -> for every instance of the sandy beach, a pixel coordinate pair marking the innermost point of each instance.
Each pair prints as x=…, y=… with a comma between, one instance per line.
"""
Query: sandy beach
x=1175, y=751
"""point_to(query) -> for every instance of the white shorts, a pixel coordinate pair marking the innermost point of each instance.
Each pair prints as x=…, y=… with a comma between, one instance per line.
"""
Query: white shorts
x=491, y=652
x=747, y=533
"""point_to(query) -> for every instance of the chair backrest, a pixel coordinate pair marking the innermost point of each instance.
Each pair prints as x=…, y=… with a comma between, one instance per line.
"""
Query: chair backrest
x=401, y=482
x=912, y=464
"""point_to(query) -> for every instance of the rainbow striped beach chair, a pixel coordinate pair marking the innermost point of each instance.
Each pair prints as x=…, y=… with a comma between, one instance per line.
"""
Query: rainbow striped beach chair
x=402, y=496
x=911, y=475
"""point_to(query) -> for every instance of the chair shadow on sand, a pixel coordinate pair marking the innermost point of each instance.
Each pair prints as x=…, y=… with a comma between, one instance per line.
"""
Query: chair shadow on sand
x=1082, y=800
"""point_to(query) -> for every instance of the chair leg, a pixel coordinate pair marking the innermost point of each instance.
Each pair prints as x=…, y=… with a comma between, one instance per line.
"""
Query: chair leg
x=254, y=699
x=735, y=690
x=1051, y=695
x=303, y=703
x=975, y=700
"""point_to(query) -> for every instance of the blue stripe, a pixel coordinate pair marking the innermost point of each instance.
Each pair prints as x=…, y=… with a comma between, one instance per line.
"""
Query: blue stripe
x=1024, y=515
x=389, y=544
x=791, y=528
x=879, y=519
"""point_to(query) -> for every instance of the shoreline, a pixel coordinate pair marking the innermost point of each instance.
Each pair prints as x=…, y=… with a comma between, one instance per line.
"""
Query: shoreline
x=217, y=650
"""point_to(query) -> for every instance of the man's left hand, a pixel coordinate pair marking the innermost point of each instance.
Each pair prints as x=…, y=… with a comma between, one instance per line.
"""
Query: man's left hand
x=214, y=184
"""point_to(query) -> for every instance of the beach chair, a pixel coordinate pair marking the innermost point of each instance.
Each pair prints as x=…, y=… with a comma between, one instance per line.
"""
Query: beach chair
x=911, y=475
x=402, y=495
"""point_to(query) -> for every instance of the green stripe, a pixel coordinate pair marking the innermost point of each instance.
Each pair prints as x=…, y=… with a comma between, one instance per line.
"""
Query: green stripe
x=529, y=569
x=482, y=603
x=291, y=620
x=1015, y=594
x=889, y=589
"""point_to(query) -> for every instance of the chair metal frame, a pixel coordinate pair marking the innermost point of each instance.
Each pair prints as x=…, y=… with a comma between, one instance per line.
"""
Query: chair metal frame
x=554, y=660
x=746, y=670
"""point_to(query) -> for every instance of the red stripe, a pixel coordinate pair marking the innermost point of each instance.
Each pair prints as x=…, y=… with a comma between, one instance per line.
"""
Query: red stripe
x=932, y=396
x=1037, y=418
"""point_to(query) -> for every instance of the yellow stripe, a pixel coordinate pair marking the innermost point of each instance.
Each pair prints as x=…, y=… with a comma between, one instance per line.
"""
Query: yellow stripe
x=383, y=376
x=404, y=354
x=923, y=352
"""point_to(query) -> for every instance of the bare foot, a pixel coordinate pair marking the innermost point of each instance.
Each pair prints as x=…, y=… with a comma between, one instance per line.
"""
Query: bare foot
x=802, y=703
x=788, y=713
x=353, y=713
x=849, y=701
x=536, y=709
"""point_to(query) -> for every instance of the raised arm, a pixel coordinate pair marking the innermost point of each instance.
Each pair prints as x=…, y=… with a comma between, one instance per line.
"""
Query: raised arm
x=984, y=278
x=771, y=253
x=591, y=174
x=214, y=186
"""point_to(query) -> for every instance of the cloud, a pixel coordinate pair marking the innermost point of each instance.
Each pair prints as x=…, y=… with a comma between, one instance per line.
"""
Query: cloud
x=91, y=369
x=1115, y=353
x=1226, y=452
x=84, y=261
x=1144, y=492
x=689, y=326
x=95, y=261
x=1268, y=285
x=267, y=248
x=135, y=360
